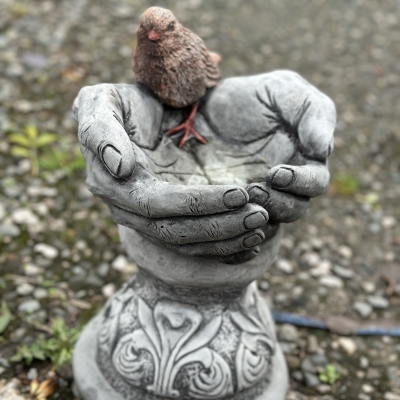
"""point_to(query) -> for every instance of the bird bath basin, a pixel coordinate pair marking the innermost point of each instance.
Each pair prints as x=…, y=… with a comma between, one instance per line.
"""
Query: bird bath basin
x=191, y=324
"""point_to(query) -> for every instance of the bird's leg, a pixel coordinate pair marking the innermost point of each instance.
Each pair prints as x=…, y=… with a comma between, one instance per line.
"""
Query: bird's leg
x=188, y=126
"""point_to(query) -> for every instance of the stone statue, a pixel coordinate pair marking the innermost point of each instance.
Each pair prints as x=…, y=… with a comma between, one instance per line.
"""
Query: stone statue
x=202, y=223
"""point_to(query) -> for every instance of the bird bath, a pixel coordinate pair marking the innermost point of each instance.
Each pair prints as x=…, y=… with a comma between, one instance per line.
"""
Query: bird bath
x=190, y=324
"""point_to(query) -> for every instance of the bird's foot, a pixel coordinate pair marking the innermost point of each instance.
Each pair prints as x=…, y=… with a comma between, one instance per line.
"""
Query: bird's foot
x=188, y=127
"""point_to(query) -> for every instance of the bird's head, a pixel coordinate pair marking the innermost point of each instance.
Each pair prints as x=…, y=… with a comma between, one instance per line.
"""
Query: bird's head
x=157, y=24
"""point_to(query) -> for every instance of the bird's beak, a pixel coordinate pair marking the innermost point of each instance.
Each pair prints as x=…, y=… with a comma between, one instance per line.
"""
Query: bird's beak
x=153, y=35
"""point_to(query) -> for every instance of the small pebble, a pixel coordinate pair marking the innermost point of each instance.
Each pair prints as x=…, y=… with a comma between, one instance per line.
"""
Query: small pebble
x=46, y=250
x=378, y=302
x=366, y=388
x=32, y=269
x=32, y=374
x=288, y=333
x=364, y=362
x=311, y=380
x=263, y=285
x=363, y=308
x=2, y=211
x=9, y=229
x=103, y=269
x=29, y=306
x=25, y=289
x=312, y=344
x=293, y=362
x=331, y=281
x=322, y=268
x=18, y=334
x=108, y=290
x=342, y=272
x=119, y=263
x=391, y=396
x=40, y=293
x=308, y=366
x=311, y=259
x=369, y=287
x=323, y=389
x=298, y=376
x=24, y=216
x=319, y=360
x=285, y=266
x=348, y=344
x=345, y=252
x=4, y=363
x=388, y=222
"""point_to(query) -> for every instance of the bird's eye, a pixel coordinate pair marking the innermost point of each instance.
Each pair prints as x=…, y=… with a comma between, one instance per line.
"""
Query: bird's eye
x=171, y=26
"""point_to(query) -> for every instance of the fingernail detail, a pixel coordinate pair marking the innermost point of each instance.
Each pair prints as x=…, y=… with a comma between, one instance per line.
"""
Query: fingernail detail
x=112, y=159
x=282, y=178
x=255, y=220
x=252, y=241
x=234, y=198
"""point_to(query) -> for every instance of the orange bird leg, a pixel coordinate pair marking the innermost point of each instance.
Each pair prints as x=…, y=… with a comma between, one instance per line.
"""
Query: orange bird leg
x=188, y=127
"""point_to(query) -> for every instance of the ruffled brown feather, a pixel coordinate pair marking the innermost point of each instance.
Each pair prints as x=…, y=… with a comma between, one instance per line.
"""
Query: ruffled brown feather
x=178, y=68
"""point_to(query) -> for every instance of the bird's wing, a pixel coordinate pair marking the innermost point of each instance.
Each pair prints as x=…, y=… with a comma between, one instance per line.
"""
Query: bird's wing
x=208, y=63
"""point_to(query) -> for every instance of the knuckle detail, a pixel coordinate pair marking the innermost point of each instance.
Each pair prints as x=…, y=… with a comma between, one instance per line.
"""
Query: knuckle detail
x=194, y=203
x=142, y=202
x=224, y=250
x=213, y=230
x=162, y=231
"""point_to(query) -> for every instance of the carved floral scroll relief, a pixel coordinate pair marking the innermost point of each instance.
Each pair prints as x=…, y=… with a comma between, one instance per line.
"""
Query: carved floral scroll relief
x=176, y=335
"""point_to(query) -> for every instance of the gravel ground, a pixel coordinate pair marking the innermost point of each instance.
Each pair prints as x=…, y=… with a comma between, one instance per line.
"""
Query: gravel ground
x=59, y=250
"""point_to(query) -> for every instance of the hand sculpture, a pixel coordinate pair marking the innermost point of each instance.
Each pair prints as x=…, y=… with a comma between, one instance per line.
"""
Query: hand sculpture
x=268, y=140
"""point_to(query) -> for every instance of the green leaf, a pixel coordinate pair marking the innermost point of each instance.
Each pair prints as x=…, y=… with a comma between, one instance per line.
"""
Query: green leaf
x=20, y=139
x=46, y=138
x=5, y=317
x=17, y=151
x=63, y=357
x=32, y=132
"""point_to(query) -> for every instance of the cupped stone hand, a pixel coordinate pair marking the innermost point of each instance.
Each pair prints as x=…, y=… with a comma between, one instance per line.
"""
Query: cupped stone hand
x=269, y=134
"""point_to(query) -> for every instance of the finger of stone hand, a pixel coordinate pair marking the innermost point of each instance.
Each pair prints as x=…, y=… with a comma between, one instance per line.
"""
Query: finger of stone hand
x=310, y=113
x=240, y=258
x=180, y=230
x=98, y=110
x=308, y=180
x=243, y=242
x=145, y=195
x=281, y=207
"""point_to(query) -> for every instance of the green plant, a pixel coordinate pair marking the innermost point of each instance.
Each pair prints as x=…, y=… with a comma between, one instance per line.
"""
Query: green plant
x=371, y=199
x=329, y=374
x=5, y=317
x=28, y=143
x=345, y=184
x=65, y=156
x=58, y=347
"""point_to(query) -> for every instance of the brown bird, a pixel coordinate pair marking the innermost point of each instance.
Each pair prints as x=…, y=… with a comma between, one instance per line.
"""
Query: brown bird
x=175, y=64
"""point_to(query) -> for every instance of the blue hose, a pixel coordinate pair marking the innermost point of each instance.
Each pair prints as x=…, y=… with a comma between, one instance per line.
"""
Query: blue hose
x=307, y=322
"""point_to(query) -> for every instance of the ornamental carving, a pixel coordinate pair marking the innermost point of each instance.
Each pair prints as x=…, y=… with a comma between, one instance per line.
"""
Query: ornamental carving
x=174, y=336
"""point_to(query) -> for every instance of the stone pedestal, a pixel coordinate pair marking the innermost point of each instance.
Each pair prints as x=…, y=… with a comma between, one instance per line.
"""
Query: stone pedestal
x=183, y=328
x=194, y=326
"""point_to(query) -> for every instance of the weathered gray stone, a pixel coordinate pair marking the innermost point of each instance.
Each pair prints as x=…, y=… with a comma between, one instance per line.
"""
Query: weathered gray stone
x=29, y=306
x=311, y=380
x=342, y=272
x=363, y=308
x=196, y=222
x=288, y=333
x=378, y=302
